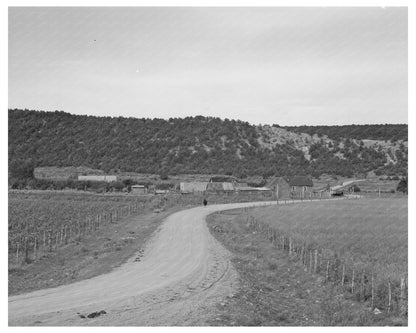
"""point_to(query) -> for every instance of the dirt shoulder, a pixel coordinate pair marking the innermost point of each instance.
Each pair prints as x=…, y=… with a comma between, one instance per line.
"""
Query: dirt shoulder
x=93, y=255
x=274, y=289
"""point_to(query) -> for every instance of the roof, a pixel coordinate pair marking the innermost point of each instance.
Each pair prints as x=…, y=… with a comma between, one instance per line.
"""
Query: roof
x=137, y=186
x=193, y=186
x=228, y=186
x=277, y=180
x=248, y=188
x=225, y=186
x=300, y=181
x=222, y=179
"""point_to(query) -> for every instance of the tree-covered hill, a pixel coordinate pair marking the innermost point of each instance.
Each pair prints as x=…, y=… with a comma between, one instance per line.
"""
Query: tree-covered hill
x=199, y=145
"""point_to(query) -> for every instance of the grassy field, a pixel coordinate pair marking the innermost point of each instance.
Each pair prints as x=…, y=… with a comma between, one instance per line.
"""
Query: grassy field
x=276, y=290
x=369, y=231
x=359, y=245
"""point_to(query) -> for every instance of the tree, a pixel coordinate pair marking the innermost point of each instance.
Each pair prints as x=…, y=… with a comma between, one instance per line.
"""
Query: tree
x=402, y=186
x=164, y=176
x=117, y=185
x=22, y=169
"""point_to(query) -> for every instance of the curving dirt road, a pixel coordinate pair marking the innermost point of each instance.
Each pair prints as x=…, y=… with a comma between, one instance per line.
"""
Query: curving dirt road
x=181, y=274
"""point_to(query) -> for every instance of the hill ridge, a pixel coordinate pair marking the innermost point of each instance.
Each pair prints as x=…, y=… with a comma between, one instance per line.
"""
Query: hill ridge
x=201, y=144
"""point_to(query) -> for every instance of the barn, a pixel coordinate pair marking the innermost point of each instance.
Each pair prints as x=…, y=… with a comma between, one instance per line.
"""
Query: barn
x=138, y=189
x=221, y=184
x=281, y=186
x=300, y=187
x=193, y=187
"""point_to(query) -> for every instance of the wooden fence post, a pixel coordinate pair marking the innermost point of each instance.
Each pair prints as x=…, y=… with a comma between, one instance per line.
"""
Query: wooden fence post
x=327, y=270
x=389, y=304
x=352, y=281
x=343, y=275
x=310, y=261
x=35, y=248
x=26, y=249
x=402, y=296
x=372, y=289
x=17, y=252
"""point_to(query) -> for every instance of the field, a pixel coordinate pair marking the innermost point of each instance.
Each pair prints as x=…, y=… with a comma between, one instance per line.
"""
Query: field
x=58, y=237
x=372, y=231
x=41, y=222
x=317, y=263
x=359, y=244
x=275, y=289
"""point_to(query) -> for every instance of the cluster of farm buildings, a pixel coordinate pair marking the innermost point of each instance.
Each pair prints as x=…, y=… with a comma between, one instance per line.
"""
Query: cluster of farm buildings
x=297, y=187
x=294, y=187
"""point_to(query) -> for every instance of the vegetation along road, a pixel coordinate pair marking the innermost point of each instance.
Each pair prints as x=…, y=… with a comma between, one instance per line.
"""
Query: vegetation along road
x=181, y=274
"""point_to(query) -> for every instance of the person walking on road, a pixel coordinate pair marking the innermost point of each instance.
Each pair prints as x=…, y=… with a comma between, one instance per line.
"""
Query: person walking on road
x=205, y=202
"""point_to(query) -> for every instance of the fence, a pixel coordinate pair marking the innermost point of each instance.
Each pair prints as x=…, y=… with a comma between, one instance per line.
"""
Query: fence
x=30, y=243
x=30, y=246
x=358, y=280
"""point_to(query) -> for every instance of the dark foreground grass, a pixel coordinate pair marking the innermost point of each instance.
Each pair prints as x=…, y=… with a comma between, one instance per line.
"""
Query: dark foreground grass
x=275, y=290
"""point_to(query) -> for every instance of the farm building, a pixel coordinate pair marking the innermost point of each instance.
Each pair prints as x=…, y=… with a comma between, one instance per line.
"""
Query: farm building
x=98, y=178
x=281, y=186
x=223, y=179
x=300, y=187
x=222, y=184
x=193, y=187
x=138, y=189
x=220, y=187
x=161, y=191
x=247, y=189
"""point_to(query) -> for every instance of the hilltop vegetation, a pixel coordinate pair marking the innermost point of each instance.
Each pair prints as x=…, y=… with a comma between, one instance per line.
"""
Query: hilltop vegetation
x=391, y=132
x=199, y=144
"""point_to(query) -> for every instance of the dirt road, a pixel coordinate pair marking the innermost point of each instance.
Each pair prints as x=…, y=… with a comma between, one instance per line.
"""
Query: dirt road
x=181, y=274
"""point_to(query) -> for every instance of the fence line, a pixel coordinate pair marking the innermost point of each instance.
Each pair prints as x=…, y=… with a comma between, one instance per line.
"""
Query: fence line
x=28, y=248
x=360, y=282
x=31, y=242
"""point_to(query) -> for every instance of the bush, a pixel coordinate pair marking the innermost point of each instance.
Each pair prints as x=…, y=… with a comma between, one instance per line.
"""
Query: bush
x=402, y=186
x=164, y=176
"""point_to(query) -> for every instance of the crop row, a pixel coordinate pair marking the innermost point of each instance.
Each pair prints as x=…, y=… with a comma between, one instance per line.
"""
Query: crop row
x=38, y=224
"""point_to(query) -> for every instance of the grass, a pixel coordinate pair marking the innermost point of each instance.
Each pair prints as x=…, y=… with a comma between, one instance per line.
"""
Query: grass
x=275, y=290
x=367, y=231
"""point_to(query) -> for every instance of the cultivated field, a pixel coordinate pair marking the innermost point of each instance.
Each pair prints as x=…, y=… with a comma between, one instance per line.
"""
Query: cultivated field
x=43, y=221
x=362, y=244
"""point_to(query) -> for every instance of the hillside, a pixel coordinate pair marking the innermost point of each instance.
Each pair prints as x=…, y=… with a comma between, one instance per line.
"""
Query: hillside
x=204, y=145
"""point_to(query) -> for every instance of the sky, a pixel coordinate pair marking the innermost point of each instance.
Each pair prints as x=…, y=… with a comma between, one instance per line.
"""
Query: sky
x=273, y=65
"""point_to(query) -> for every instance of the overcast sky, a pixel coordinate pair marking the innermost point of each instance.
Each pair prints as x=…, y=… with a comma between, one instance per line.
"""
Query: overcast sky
x=287, y=66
